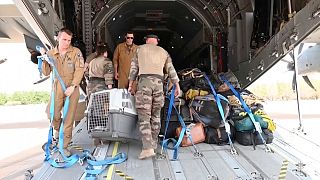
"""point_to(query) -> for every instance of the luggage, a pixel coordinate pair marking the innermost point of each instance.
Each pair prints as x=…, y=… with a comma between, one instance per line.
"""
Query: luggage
x=246, y=124
x=204, y=109
x=191, y=78
x=111, y=115
x=196, y=132
x=219, y=135
x=174, y=122
x=248, y=138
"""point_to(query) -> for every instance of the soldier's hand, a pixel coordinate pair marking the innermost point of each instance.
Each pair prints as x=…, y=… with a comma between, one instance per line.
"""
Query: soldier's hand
x=177, y=90
x=69, y=90
x=116, y=76
x=110, y=86
x=42, y=51
x=131, y=90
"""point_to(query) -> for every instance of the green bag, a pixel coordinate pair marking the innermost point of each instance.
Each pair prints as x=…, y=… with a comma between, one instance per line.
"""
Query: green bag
x=246, y=124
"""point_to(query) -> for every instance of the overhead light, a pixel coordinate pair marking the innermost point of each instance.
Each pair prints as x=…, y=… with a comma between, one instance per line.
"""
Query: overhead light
x=172, y=47
x=42, y=8
x=316, y=13
x=294, y=36
x=261, y=65
x=275, y=53
x=113, y=19
x=181, y=37
x=119, y=37
x=193, y=19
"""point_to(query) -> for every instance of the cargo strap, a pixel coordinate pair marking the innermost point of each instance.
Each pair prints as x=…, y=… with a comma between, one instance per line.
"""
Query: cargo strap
x=248, y=110
x=223, y=117
x=69, y=161
x=176, y=144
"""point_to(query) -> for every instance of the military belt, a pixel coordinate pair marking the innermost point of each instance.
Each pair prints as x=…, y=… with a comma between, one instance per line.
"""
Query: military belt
x=96, y=79
x=151, y=75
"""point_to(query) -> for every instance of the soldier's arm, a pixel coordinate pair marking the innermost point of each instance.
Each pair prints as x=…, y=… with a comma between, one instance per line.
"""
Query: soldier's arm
x=172, y=75
x=79, y=68
x=108, y=73
x=134, y=70
x=170, y=70
x=46, y=68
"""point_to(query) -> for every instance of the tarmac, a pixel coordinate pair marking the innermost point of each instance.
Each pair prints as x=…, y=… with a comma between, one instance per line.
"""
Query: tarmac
x=24, y=128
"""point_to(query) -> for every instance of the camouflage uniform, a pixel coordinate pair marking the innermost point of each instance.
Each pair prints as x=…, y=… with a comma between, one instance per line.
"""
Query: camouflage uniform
x=71, y=68
x=148, y=64
x=100, y=74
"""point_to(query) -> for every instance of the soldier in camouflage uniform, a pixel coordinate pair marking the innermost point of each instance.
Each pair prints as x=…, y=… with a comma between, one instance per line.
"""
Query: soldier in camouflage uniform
x=100, y=71
x=148, y=64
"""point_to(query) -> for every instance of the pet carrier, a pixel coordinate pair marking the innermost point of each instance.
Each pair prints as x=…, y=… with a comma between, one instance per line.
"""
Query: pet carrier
x=111, y=115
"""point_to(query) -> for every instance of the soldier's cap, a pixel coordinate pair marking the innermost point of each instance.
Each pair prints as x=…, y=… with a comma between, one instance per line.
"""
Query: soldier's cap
x=151, y=36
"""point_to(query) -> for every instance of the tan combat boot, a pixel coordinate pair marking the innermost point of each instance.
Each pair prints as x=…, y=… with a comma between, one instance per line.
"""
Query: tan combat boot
x=67, y=152
x=146, y=153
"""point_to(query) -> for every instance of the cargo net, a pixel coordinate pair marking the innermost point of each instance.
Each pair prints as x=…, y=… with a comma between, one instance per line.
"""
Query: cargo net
x=98, y=112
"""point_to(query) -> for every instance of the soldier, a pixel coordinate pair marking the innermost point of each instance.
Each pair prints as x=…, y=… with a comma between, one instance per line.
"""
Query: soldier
x=148, y=64
x=122, y=59
x=100, y=71
x=70, y=66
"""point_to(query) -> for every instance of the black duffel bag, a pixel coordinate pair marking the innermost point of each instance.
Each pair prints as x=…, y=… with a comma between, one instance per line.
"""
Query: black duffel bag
x=248, y=138
x=219, y=135
x=204, y=109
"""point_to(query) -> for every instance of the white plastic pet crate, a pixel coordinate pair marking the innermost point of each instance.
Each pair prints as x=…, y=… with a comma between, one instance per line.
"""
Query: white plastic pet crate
x=111, y=115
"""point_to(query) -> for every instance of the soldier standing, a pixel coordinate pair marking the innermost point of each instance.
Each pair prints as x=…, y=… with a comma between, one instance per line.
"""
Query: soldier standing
x=122, y=60
x=69, y=63
x=148, y=64
x=100, y=71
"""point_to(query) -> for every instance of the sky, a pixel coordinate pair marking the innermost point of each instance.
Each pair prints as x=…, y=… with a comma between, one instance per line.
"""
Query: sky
x=18, y=73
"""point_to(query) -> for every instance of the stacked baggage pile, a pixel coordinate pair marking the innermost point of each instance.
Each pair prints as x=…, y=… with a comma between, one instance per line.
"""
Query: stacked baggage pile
x=198, y=107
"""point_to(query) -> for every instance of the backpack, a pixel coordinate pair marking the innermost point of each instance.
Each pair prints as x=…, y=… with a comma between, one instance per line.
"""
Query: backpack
x=246, y=124
x=204, y=109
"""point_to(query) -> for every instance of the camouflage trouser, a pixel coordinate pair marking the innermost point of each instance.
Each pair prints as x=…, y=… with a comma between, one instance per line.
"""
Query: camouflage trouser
x=149, y=100
x=95, y=86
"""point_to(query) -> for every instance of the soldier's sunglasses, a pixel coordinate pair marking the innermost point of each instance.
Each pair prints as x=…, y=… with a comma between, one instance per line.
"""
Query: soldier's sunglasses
x=129, y=37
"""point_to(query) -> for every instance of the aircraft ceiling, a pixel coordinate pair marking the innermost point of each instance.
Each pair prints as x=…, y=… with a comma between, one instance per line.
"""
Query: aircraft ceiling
x=176, y=22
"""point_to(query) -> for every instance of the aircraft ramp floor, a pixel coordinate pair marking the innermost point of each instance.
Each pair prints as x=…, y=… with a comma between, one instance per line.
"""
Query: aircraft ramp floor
x=216, y=162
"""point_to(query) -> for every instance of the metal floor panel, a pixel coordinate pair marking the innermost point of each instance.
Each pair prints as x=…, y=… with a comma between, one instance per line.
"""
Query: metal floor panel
x=216, y=162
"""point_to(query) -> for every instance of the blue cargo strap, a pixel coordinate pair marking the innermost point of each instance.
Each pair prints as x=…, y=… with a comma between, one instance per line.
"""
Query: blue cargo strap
x=92, y=170
x=248, y=110
x=226, y=124
x=69, y=161
x=176, y=144
x=165, y=142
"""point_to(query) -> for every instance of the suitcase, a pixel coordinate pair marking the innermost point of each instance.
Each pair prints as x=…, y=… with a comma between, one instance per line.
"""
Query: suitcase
x=111, y=115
